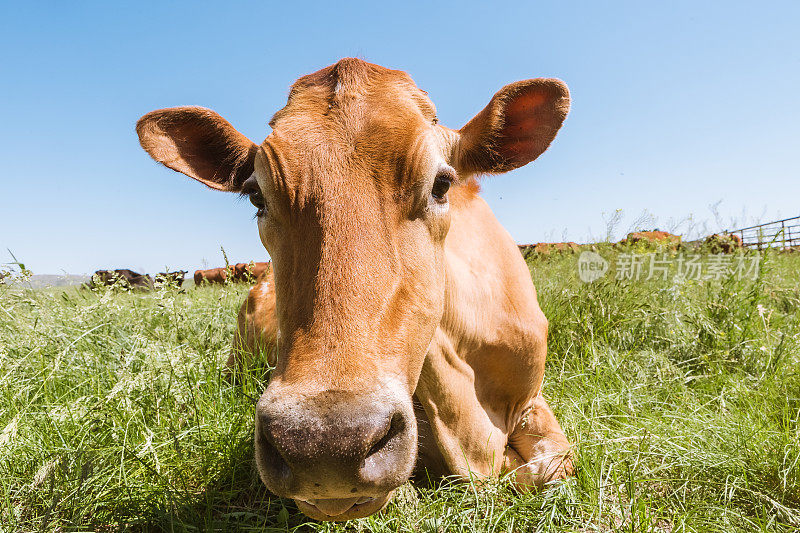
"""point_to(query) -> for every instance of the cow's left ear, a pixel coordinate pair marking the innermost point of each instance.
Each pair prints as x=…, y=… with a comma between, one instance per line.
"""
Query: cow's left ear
x=519, y=123
x=199, y=143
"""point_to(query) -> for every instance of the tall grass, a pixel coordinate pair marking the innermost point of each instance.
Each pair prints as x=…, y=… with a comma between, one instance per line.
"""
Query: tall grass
x=682, y=399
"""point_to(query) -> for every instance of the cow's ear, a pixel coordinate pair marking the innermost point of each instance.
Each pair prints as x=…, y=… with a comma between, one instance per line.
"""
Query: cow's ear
x=519, y=123
x=199, y=143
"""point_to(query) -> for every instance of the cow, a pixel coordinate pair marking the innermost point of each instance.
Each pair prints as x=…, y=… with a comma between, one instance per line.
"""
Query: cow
x=410, y=335
x=725, y=243
x=123, y=278
x=171, y=278
x=244, y=272
x=212, y=275
x=249, y=272
x=547, y=248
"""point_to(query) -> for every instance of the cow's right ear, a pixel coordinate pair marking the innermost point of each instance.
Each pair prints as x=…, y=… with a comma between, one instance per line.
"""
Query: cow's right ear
x=199, y=143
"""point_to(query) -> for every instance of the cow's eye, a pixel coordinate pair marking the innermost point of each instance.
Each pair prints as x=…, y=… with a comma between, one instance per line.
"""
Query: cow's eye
x=441, y=185
x=258, y=200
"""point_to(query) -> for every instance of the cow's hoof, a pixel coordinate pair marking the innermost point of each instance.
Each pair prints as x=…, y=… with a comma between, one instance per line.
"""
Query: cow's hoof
x=565, y=469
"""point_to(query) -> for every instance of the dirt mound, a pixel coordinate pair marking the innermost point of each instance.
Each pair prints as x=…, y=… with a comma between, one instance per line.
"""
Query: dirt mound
x=652, y=237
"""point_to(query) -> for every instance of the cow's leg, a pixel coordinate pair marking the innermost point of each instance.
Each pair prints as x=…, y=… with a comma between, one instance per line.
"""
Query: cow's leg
x=256, y=327
x=538, y=451
x=471, y=444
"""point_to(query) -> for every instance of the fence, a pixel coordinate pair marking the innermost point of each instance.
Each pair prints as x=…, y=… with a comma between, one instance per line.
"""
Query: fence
x=779, y=234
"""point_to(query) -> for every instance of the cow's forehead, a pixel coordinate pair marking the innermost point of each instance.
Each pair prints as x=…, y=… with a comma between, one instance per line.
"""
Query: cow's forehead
x=350, y=92
x=349, y=122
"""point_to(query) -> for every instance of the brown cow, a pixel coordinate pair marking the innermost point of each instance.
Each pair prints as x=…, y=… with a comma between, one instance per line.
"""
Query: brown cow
x=257, y=270
x=547, y=248
x=393, y=283
x=249, y=272
x=212, y=275
x=238, y=270
x=245, y=272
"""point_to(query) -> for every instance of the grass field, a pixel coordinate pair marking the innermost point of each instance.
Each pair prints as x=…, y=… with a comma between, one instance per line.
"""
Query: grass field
x=682, y=399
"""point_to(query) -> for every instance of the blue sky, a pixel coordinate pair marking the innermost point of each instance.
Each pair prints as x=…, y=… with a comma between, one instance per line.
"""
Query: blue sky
x=676, y=106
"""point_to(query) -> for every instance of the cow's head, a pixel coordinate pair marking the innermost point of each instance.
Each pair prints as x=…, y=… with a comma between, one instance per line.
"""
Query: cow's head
x=352, y=190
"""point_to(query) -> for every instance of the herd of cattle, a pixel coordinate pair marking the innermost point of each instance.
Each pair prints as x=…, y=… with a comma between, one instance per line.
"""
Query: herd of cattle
x=246, y=272
x=125, y=278
x=250, y=272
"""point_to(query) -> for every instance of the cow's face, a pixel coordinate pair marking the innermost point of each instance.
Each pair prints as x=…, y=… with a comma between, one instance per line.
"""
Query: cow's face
x=352, y=190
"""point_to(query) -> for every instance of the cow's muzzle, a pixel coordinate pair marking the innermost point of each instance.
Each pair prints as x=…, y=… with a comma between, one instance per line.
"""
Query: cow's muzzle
x=339, y=454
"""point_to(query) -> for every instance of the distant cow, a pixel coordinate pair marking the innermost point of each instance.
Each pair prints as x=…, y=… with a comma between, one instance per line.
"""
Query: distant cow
x=726, y=243
x=249, y=272
x=122, y=278
x=245, y=272
x=213, y=275
x=172, y=278
x=547, y=248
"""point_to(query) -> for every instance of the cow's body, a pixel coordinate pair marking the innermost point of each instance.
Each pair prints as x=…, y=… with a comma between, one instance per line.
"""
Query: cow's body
x=249, y=272
x=244, y=272
x=171, y=278
x=123, y=278
x=408, y=330
x=211, y=275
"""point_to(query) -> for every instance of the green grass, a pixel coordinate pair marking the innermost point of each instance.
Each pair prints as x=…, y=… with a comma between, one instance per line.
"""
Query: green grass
x=682, y=399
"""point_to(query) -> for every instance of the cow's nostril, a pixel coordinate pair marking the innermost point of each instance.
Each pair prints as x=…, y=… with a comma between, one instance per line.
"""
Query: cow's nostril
x=271, y=457
x=275, y=456
x=396, y=426
x=384, y=463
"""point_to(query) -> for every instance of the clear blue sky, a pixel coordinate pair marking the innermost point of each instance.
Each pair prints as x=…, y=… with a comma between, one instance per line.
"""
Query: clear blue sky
x=676, y=106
